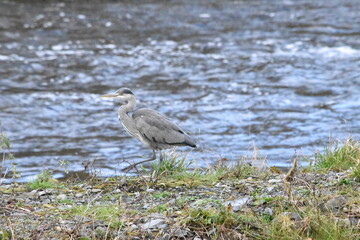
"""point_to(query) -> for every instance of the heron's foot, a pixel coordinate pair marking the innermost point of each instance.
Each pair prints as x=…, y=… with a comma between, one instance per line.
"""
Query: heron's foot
x=135, y=164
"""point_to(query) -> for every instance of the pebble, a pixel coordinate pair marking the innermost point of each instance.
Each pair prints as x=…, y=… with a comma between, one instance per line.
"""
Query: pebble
x=171, y=202
x=354, y=221
x=95, y=190
x=270, y=188
x=41, y=193
x=268, y=211
x=61, y=197
x=79, y=195
x=237, y=204
x=64, y=207
x=166, y=236
x=180, y=233
x=294, y=216
x=46, y=201
x=274, y=180
x=335, y=203
x=150, y=190
x=133, y=227
x=31, y=194
x=153, y=224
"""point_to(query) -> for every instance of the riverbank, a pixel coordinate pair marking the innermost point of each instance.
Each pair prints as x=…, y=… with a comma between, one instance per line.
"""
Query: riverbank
x=238, y=202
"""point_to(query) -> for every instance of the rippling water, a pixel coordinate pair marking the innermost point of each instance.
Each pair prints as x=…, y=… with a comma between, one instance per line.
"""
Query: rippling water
x=280, y=75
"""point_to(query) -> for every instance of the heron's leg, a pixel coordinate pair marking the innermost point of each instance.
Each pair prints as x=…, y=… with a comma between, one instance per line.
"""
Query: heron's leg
x=161, y=156
x=135, y=164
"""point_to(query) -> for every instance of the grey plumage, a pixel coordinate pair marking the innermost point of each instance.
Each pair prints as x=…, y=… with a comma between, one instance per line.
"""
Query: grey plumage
x=158, y=131
x=153, y=129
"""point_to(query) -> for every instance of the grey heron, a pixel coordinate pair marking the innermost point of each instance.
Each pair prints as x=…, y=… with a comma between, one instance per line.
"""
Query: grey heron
x=150, y=127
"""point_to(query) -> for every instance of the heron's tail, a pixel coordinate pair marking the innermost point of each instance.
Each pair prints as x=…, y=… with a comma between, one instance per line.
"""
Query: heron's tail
x=190, y=141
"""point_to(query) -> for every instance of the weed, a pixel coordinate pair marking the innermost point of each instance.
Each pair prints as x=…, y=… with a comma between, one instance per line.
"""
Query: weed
x=111, y=214
x=339, y=156
x=216, y=222
x=44, y=180
x=161, y=208
x=66, y=201
x=6, y=155
x=64, y=164
x=171, y=163
x=345, y=181
x=160, y=195
x=312, y=225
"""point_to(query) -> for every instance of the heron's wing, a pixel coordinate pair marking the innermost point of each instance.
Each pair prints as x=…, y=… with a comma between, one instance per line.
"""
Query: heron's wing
x=158, y=129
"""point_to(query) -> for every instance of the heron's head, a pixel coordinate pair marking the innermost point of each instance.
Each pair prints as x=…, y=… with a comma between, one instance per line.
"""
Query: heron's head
x=122, y=93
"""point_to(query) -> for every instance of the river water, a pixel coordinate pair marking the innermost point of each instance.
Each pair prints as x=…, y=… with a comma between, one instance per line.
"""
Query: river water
x=279, y=75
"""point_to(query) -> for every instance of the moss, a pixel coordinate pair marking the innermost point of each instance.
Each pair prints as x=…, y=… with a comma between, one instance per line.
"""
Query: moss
x=161, y=195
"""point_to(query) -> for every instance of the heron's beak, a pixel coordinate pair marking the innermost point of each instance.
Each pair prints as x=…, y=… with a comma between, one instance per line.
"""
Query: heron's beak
x=111, y=95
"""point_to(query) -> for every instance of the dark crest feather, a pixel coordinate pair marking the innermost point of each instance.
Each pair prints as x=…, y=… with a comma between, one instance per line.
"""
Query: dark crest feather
x=124, y=91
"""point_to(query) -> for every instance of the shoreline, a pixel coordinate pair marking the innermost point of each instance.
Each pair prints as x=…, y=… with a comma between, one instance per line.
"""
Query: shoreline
x=242, y=202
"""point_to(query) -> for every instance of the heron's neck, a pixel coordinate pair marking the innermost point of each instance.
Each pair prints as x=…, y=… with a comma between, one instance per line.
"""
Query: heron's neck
x=124, y=118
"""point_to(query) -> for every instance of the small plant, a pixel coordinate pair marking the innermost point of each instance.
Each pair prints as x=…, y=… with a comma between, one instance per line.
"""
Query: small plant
x=161, y=208
x=161, y=195
x=64, y=164
x=240, y=170
x=345, y=181
x=171, y=163
x=339, y=156
x=6, y=155
x=219, y=218
x=43, y=180
x=110, y=214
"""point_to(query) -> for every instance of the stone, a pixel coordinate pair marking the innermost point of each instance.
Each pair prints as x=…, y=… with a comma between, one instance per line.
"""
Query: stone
x=79, y=195
x=336, y=203
x=165, y=237
x=46, y=201
x=344, y=222
x=274, y=180
x=354, y=221
x=61, y=197
x=171, y=202
x=237, y=204
x=31, y=194
x=180, y=233
x=42, y=193
x=156, y=215
x=154, y=224
x=294, y=216
x=268, y=211
x=133, y=227
x=95, y=190
x=270, y=188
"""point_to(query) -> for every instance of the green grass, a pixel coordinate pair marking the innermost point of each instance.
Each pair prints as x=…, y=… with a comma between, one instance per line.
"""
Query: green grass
x=312, y=225
x=6, y=153
x=160, y=195
x=44, y=180
x=212, y=217
x=171, y=163
x=173, y=172
x=338, y=156
x=110, y=214
x=160, y=208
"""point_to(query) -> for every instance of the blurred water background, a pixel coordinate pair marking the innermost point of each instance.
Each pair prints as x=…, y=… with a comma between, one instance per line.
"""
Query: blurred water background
x=279, y=75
